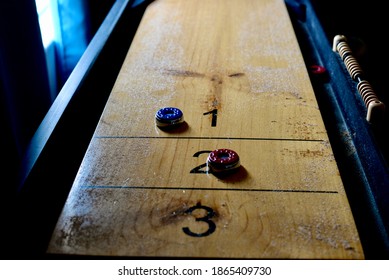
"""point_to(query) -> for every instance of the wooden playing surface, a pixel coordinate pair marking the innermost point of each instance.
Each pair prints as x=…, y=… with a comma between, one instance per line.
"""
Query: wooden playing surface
x=236, y=71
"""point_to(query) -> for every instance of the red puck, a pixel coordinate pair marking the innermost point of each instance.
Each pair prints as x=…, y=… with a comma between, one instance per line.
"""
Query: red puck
x=221, y=160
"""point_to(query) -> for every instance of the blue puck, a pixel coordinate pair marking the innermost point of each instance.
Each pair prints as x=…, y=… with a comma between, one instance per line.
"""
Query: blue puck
x=169, y=116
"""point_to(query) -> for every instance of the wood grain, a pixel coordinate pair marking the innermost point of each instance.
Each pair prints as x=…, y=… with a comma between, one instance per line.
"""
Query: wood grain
x=135, y=194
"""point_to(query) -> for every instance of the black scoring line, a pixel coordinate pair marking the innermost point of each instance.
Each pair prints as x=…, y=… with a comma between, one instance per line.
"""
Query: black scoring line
x=209, y=138
x=207, y=189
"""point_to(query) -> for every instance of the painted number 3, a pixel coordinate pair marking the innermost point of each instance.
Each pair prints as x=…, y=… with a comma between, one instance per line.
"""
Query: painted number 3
x=206, y=219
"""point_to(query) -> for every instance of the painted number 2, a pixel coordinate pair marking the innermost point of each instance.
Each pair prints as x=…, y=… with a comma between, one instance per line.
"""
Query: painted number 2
x=206, y=219
x=202, y=168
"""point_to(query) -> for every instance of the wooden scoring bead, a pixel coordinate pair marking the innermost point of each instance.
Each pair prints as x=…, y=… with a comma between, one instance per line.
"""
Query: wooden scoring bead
x=375, y=108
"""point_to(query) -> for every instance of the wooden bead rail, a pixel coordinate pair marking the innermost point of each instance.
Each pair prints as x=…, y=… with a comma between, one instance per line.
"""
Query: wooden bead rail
x=375, y=108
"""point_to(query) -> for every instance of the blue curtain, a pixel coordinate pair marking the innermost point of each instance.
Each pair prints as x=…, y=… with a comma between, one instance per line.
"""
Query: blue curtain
x=25, y=95
x=24, y=91
x=66, y=32
x=72, y=34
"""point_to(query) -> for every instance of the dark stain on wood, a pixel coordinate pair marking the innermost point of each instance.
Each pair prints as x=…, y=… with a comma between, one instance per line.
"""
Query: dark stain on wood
x=236, y=75
x=184, y=73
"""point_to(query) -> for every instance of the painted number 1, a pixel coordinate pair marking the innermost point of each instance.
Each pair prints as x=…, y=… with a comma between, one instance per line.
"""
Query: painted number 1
x=214, y=116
